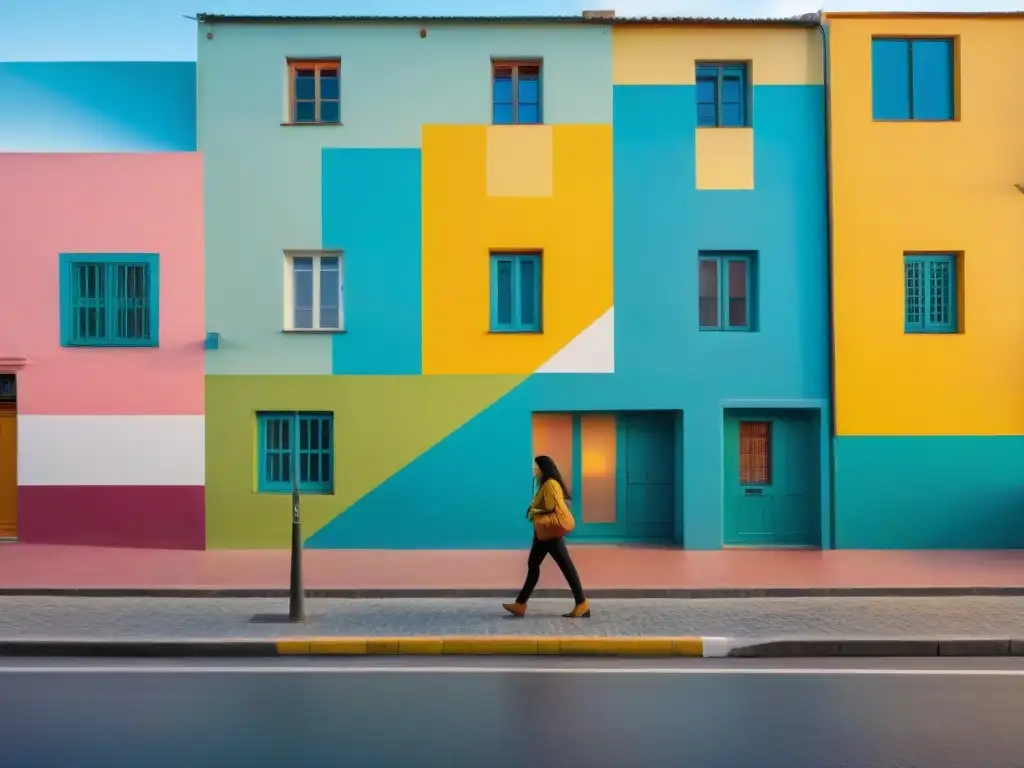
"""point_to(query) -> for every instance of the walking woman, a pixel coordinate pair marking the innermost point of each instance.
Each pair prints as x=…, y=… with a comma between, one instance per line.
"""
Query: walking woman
x=551, y=520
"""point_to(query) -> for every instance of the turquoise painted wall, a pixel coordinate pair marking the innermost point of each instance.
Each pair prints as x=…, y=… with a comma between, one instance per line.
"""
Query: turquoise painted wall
x=661, y=223
x=372, y=211
x=263, y=181
x=929, y=492
x=663, y=362
x=492, y=456
x=97, y=106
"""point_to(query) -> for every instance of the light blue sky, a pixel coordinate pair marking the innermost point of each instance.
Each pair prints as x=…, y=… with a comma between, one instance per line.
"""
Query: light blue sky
x=104, y=30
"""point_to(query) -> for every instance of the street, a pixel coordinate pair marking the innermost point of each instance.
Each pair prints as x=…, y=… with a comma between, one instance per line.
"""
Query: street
x=514, y=713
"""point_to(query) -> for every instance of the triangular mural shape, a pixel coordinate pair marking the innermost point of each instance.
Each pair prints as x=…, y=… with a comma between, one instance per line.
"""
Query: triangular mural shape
x=592, y=351
x=389, y=421
x=468, y=491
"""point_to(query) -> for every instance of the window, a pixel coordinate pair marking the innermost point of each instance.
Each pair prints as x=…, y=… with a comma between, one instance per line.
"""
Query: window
x=295, y=441
x=315, y=91
x=912, y=79
x=726, y=286
x=755, y=453
x=109, y=300
x=931, y=293
x=313, y=291
x=517, y=93
x=722, y=95
x=8, y=388
x=515, y=293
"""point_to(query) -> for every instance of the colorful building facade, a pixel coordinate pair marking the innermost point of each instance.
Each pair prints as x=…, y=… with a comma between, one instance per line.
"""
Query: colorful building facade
x=606, y=243
x=102, y=432
x=394, y=259
x=929, y=237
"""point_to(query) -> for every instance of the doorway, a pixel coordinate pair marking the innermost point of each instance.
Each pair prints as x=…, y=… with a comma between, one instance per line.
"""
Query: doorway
x=8, y=457
x=622, y=467
x=772, y=479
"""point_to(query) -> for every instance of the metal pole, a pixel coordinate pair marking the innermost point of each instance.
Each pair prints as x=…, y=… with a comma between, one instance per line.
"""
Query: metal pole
x=296, y=592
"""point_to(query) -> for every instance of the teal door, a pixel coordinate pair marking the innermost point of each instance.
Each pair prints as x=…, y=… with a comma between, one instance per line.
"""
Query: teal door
x=647, y=481
x=772, y=479
x=626, y=477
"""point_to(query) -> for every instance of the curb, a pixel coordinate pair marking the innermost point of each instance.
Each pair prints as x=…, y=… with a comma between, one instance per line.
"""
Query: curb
x=498, y=645
x=880, y=647
x=456, y=645
x=604, y=594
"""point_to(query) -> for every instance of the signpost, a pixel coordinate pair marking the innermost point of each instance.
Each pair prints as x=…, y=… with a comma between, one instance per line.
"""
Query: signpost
x=296, y=591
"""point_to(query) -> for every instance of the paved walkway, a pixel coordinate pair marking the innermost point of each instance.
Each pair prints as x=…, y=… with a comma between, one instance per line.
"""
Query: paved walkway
x=849, y=618
x=603, y=568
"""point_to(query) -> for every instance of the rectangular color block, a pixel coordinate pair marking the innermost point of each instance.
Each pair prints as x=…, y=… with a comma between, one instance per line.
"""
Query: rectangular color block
x=520, y=161
x=84, y=108
x=724, y=158
x=571, y=226
x=940, y=492
x=111, y=450
x=952, y=183
x=372, y=213
x=58, y=203
x=154, y=517
x=649, y=55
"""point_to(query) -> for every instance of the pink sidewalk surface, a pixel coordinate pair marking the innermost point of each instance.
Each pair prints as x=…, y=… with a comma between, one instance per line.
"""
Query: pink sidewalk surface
x=27, y=567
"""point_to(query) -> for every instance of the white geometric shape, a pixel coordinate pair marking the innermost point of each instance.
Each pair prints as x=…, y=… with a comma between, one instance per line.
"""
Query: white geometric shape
x=111, y=450
x=592, y=351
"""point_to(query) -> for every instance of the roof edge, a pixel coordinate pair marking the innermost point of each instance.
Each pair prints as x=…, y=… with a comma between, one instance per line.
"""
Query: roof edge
x=826, y=15
x=805, y=20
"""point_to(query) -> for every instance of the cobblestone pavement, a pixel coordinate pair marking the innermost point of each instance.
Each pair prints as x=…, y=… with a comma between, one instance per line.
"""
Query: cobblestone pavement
x=748, y=618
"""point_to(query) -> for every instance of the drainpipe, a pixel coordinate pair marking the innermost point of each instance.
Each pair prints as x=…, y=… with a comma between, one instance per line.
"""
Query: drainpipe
x=829, y=232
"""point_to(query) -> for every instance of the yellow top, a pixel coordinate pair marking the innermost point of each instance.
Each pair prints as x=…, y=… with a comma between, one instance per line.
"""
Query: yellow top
x=548, y=499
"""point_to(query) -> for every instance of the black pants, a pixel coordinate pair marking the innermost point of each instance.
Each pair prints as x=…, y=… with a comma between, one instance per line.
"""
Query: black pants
x=560, y=554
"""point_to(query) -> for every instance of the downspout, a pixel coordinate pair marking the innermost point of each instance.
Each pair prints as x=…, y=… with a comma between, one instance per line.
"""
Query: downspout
x=829, y=245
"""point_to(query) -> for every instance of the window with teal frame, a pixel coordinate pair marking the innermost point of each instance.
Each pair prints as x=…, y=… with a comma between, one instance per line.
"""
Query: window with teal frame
x=290, y=443
x=722, y=95
x=931, y=295
x=515, y=293
x=913, y=79
x=109, y=300
x=727, y=291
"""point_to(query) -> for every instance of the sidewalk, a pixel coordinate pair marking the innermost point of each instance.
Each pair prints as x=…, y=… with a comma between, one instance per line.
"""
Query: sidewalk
x=607, y=571
x=750, y=626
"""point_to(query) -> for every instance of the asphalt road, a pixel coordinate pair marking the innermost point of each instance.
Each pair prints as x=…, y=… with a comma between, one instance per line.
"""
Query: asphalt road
x=937, y=713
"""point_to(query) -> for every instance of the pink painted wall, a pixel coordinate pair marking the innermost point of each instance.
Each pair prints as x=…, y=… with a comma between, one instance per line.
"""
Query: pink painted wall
x=95, y=203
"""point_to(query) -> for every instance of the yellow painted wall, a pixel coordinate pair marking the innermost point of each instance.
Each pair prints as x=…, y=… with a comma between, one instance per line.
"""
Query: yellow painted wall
x=462, y=223
x=653, y=55
x=944, y=186
x=724, y=158
x=520, y=160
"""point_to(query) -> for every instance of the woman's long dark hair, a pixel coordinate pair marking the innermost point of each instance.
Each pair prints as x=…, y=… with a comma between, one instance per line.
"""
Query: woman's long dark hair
x=549, y=471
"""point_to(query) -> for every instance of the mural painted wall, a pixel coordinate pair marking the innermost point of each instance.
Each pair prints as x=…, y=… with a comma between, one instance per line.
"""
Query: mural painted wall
x=98, y=106
x=419, y=197
x=930, y=418
x=102, y=262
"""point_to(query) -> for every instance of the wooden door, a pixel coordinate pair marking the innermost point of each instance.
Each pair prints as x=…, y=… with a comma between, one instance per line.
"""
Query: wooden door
x=8, y=475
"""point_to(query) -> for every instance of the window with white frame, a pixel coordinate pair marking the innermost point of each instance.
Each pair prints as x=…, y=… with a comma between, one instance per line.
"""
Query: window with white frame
x=313, y=291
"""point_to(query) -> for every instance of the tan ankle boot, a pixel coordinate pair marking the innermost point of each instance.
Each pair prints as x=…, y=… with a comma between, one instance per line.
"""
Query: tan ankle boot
x=581, y=611
x=516, y=609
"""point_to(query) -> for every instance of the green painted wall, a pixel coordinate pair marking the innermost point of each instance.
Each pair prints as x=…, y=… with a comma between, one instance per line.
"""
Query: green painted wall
x=381, y=424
